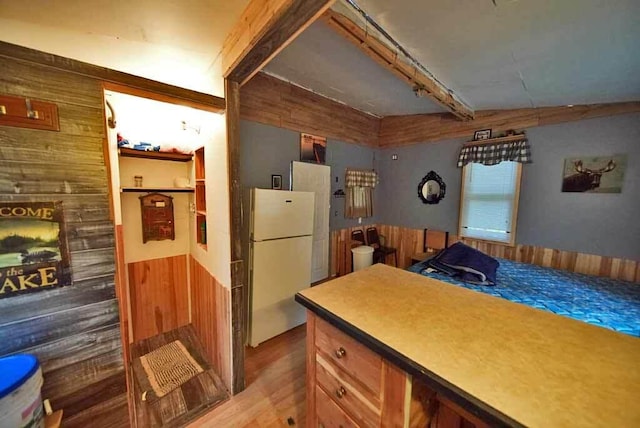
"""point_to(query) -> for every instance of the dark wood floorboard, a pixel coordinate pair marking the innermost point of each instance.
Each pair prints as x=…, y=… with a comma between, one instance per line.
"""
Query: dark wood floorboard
x=192, y=399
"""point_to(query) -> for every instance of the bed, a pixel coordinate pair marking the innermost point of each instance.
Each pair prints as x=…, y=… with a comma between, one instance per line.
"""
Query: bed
x=604, y=302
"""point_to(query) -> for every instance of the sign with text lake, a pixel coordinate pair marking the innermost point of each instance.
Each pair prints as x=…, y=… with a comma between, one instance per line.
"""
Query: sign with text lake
x=33, y=248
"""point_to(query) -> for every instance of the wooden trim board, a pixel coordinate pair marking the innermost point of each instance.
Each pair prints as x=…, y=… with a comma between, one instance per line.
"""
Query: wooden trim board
x=398, y=131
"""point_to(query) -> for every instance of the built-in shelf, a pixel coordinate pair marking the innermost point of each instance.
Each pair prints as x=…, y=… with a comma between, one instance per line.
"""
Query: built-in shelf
x=166, y=156
x=516, y=137
x=200, y=199
x=157, y=189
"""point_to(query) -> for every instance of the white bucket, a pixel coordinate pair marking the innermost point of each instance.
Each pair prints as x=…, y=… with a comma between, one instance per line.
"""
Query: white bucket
x=20, y=399
x=362, y=257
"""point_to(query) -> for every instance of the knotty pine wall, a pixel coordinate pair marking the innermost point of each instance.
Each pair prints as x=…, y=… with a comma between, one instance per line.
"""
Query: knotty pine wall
x=409, y=241
x=265, y=99
x=74, y=330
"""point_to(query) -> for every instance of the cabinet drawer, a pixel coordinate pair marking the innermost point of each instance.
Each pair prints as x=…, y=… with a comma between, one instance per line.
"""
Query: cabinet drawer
x=357, y=401
x=350, y=356
x=329, y=414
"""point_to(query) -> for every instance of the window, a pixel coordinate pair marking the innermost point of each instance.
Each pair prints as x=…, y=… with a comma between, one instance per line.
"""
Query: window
x=359, y=195
x=489, y=203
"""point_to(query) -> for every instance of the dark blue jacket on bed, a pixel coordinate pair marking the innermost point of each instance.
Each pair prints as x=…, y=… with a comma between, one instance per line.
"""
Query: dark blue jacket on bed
x=466, y=264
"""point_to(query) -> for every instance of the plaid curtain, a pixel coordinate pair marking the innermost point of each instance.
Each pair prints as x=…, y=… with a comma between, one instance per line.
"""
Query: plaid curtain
x=360, y=178
x=359, y=193
x=493, y=154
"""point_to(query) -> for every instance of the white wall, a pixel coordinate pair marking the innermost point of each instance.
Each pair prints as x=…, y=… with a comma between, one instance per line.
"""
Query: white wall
x=155, y=122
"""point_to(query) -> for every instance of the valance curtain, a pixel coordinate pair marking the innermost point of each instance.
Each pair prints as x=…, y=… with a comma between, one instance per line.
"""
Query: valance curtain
x=493, y=154
x=359, y=193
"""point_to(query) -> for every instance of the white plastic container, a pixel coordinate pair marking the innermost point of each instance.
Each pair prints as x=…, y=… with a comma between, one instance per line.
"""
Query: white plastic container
x=362, y=257
x=20, y=399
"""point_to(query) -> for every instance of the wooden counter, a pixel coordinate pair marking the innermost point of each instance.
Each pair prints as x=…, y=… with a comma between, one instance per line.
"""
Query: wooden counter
x=506, y=362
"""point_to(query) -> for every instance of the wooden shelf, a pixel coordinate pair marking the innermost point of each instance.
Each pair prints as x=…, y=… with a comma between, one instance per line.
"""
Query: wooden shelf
x=157, y=189
x=200, y=180
x=508, y=138
x=166, y=156
x=200, y=212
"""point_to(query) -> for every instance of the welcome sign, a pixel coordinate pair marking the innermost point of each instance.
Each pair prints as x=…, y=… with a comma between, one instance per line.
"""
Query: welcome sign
x=33, y=248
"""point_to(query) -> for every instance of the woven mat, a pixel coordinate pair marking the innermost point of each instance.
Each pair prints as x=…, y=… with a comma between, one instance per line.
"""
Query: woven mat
x=168, y=367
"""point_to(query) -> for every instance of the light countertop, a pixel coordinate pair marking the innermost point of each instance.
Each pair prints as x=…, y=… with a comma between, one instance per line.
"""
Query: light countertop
x=537, y=368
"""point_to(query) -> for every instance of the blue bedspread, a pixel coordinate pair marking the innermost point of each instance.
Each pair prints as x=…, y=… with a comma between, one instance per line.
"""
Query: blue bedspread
x=604, y=302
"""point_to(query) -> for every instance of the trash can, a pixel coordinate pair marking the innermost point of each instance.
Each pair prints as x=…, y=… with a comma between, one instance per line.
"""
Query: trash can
x=362, y=257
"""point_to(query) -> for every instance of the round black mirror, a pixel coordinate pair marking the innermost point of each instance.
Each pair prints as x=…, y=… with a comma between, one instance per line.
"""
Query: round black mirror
x=431, y=189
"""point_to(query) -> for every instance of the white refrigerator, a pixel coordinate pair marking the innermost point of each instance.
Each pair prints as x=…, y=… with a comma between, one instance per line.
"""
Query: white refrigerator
x=281, y=230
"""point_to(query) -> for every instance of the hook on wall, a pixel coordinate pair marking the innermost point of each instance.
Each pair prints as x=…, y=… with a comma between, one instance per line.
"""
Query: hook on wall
x=111, y=121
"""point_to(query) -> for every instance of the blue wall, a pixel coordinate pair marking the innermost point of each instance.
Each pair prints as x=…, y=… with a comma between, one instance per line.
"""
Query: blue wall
x=603, y=224
x=267, y=150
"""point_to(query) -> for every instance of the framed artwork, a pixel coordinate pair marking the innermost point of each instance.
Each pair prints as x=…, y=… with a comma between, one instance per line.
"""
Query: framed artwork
x=34, y=255
x=276, y=182
x=313, y=148
x=600, y=174
x=483, y=134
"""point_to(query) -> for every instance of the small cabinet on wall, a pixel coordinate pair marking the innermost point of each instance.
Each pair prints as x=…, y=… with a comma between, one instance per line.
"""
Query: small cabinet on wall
x=201, y=199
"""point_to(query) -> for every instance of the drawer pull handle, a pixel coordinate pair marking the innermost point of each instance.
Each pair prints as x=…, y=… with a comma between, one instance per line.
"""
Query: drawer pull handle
x=340, y=352
x=341, y=392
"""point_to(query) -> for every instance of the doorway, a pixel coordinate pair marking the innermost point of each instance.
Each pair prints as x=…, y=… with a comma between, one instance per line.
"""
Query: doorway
x=172, y=308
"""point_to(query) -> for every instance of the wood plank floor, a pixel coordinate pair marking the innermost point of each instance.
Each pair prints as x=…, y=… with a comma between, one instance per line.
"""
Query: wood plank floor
x=275, y=373
x=190, y=400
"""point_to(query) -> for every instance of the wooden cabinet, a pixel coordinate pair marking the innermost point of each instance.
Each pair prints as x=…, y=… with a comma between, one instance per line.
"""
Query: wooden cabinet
x=348, y=385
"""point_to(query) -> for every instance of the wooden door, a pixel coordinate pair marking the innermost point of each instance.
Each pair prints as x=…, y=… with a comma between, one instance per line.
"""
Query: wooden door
x=310, y=177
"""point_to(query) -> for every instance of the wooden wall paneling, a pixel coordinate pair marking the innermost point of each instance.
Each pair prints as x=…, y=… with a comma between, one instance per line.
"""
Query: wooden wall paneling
x=210, y=305
x=223, y=334
x=159, y=295
x=77, y=70
x=408, y=241
x=72, y=380
x=421, y=128
x=203, y=307
x=108, y=412
x=266, y=99
x=24, y=333
x=264, y=29
x=56, y=300
x=238, y=281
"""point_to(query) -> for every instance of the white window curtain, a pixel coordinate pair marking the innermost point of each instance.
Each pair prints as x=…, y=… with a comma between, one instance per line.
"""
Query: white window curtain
x=490, y=201
x=359, y=192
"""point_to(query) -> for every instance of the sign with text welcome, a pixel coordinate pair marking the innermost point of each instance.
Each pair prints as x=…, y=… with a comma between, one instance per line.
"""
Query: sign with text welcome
x=33, y=248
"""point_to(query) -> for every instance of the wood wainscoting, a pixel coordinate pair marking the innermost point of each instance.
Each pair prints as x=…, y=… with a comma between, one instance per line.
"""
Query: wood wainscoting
x=159, y=295
x=409, y=241
x=211, y=318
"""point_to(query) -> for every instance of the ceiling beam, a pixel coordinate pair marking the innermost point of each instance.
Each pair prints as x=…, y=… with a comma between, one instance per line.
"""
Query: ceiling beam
x=388, y=58
x=263, y=30
x=423, y=128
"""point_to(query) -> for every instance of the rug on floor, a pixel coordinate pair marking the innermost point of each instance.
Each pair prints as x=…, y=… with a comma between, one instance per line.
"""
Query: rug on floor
x=165, y=369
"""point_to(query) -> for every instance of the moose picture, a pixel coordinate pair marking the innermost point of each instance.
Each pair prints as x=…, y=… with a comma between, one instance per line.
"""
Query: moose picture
x=602, y=174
